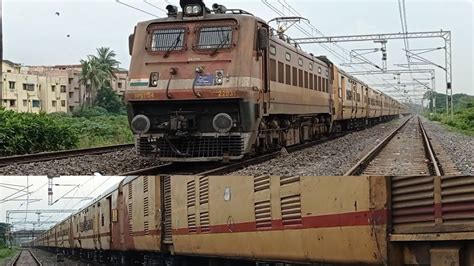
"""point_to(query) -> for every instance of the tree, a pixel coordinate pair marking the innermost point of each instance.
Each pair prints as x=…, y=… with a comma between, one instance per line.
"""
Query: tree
x=108, y=99
x=97, y=71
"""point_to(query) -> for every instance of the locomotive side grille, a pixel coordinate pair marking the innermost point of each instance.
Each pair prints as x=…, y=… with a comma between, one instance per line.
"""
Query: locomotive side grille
x=204, y=221
x=168, y=233
x=263, y=214
x=130, y=190
x=291, y=210
x=130, y=216
x=261, y=183
x=145, y=184
x=191, y=189
x=204, y=190
x=145, y=227
x=412, y=201
x=204, y=146
x=145, y=207
x=457, y=198
x=284, y=180
x=192, y=222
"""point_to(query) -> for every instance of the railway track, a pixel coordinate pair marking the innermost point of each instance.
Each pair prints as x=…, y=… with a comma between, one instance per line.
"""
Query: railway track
x=57, y=155
x=406, y=151
x=26, y=257
x=222, y=168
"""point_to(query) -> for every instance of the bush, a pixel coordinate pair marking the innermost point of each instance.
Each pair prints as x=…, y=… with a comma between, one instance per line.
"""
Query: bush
x=108, y=99
x=22, y=133
x=89, y=112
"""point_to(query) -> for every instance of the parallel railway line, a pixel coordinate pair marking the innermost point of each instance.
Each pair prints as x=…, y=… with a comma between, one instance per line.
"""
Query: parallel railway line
x=26, y=257
x=222, y=168
x=58, y=155
x=406, y=151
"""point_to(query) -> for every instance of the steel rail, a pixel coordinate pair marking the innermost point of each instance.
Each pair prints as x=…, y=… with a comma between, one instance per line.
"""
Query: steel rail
x=223, y=168
x=429, y=150
x=32, y=255
x=57, y=155
x=362, y=163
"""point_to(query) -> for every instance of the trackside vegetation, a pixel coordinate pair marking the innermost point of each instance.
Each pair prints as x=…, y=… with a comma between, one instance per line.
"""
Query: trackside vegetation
x=463, y=118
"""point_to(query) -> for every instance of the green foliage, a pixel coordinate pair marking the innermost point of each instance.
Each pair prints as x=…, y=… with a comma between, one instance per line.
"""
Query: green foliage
x=108, y=99
x=463, y=118
x=22, y=133
x=7, y=252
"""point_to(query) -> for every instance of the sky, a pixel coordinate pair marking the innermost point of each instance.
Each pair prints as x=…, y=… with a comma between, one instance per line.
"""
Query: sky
x=82, y=188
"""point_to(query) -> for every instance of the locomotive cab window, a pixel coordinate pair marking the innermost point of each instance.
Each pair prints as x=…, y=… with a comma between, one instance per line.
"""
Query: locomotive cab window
x=167, y=40
x=215, y=37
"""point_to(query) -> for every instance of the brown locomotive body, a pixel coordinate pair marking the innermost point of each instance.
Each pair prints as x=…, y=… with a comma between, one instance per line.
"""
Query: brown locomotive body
x=369, y=220
x=221, y=85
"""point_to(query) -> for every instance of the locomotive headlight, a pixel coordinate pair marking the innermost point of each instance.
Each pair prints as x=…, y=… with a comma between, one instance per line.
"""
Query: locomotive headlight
x=140, y=124
x=193, y=10
x=219, y=77
x=222, y=123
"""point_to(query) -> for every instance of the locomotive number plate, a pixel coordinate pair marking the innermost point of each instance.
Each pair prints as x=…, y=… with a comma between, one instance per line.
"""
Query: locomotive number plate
x=226, y=93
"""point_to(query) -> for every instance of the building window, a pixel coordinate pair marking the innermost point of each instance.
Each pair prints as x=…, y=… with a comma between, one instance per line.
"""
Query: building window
x=12, y=103
x=70, y=80
x=63, y=103
x=119, y=85
x=63, y=88
x=53, y=88
x=273, y=70
x=36, y=103
x=25, y=103
x=281, y=72
x=71, y=94
x=288, y=56
x=11, y=85
x=53, y=103
x=28, y=87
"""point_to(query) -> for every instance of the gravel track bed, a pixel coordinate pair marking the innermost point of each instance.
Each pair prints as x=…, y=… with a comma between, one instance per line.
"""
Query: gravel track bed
x=334, y=157
x=459, y=147
x=113, y=163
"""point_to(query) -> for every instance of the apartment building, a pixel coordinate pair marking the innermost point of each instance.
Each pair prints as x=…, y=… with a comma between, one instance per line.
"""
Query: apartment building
x=48, y=88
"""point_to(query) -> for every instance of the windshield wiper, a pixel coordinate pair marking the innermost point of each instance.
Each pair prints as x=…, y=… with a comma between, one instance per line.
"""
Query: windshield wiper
x=221, y=44
x=176, y=42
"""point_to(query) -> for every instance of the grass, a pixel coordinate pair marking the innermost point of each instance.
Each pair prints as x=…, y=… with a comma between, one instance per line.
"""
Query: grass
x=461, y=122
x=6, y=253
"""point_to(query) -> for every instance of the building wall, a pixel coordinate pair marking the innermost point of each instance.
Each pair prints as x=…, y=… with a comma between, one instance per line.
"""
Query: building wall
x=20, y=92
x=55, y=88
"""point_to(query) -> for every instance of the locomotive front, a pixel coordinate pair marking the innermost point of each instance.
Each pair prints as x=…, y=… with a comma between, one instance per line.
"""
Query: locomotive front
x=196, y=90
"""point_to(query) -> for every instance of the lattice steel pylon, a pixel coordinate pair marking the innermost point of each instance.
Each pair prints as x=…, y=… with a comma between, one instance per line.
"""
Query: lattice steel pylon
x=445, y=35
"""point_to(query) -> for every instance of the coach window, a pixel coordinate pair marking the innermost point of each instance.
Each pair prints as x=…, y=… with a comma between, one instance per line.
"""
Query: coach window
x=310, y=66
x=281, y=72
x=288, y=74
x=295, y=76
x=320, y=85
x=306, y=79
x=273, y=70
x=288, y=57
x=300, y=61
x=311, y=79
x=300, y=78
x=319, y=70
x=273, y=50
x=327, y=85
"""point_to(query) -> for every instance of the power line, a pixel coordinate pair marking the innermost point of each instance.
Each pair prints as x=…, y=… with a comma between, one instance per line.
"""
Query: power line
x=136, y=8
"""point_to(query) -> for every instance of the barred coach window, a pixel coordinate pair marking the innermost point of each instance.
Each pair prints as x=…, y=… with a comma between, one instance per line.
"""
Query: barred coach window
x=215, y=37
x=164, y=40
